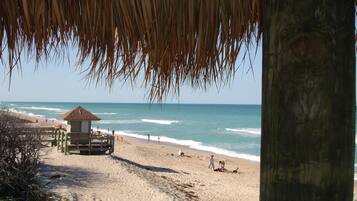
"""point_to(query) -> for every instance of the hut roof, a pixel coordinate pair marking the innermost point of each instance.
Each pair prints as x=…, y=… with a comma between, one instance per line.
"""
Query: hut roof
x=79, y=114
x=167, y=43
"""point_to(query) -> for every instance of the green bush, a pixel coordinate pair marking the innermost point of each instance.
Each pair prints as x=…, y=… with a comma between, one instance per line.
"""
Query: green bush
x=19, y=160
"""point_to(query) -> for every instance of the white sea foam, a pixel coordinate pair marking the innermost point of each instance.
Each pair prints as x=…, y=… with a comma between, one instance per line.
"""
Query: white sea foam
x=105, y=113
x=134, y=121
x=158, y=121
x=251, y=131
x=43, y=108
x=190, y=143
x=26, y=113
x=120, y=121
x=36, y=115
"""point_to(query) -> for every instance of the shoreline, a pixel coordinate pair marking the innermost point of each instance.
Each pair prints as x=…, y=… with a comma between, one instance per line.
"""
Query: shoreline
x=195, y=145
x=154, y=139
x=187, y=147
x=193, y=169
x=183, y=148
x=153, y=166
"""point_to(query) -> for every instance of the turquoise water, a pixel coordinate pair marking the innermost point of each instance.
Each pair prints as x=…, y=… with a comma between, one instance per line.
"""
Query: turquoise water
x=232, y=130
x=225, y=129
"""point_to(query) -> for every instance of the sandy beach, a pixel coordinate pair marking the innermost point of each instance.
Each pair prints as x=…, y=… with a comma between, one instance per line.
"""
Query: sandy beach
x=143, y=170
x=146, y=170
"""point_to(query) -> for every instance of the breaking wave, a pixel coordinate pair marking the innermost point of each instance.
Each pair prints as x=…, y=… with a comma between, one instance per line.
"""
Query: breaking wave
x=190, y=143
x=43, y=108
x=105, y=113
x=162, y=122
x=119, y=121
x=249, y=131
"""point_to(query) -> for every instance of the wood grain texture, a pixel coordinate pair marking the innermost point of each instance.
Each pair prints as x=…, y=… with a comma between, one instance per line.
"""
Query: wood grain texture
x=308, y=112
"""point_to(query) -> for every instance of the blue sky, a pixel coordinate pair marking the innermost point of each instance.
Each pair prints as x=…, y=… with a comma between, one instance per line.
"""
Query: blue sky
x=59, y=81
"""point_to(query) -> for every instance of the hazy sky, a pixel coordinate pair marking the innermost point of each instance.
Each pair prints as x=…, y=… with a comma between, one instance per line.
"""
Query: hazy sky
x=59, y=81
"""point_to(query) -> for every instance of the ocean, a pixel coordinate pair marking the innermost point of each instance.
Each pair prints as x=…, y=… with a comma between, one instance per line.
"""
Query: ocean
x=232, y=130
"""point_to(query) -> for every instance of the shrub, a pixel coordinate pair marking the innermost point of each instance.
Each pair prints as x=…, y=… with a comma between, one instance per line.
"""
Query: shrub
x=19, y=160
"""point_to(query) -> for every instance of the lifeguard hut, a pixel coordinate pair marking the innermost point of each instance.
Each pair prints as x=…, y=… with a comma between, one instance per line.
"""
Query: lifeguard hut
x=79, y=135
x=79, y=123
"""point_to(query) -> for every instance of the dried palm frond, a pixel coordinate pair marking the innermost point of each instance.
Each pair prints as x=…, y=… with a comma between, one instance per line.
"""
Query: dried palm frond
x=170, y=41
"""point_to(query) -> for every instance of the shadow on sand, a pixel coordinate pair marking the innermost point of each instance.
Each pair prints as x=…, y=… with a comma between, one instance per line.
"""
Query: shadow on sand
x=55, y=176
x=146, y=167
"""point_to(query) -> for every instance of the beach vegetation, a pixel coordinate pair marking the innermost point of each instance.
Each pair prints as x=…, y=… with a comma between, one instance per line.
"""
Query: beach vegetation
x=19, y=161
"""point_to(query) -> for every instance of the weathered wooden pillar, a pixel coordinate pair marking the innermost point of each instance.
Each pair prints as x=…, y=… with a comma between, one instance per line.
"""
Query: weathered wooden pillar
x=54, y=135
x=113, y=141
x=308, y=105
x=62, y=143
x=90, y=143
x=58, y=139
x=66, y=144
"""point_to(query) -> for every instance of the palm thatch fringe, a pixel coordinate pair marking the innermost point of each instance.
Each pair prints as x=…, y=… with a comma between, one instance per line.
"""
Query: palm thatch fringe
x=169, y=41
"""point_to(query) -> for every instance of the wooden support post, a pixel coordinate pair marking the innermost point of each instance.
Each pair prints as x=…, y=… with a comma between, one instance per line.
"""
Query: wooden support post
x=90, y=143
x=66, y=144
x=112, y=141
x=62, y=136
x=57, y=141
x=55, y=138
x=101, y=143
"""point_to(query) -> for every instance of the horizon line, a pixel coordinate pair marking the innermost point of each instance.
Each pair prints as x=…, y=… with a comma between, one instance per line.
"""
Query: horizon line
x=149, y=103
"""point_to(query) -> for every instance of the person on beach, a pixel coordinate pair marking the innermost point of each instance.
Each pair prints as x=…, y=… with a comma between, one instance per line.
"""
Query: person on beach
x=222, y=164
x=148, y=137
x=180, y=153
x=211, y=163
x=158, y=139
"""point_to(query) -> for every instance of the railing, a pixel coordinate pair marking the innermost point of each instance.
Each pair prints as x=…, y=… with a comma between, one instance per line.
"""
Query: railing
x=79, y=141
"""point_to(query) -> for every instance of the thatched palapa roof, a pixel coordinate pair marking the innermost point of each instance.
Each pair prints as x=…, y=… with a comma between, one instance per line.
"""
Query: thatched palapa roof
x=79, y=114
x=165, y=42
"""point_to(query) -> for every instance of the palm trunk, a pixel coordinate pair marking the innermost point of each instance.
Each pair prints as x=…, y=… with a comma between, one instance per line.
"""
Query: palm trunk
x=308, y=106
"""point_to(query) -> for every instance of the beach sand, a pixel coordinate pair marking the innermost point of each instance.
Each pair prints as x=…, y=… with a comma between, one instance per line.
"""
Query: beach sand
x=143, y=170
x=190, y=175
x=140, y=170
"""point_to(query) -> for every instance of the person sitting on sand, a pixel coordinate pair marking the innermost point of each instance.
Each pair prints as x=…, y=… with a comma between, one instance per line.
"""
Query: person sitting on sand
x=211, y=163
x=222, y=164
x=180, y=153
